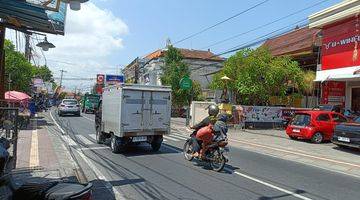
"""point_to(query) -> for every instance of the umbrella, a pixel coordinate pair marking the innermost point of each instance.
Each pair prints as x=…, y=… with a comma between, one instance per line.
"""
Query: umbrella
x=16, y=96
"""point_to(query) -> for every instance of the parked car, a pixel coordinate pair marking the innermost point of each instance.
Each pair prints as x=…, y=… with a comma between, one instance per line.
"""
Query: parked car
x=69, y=106
x=329, y=107
x=314, y=125
x=347, y=134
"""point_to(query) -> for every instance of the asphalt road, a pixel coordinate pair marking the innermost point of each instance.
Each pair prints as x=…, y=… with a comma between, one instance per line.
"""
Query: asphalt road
x=142, y=174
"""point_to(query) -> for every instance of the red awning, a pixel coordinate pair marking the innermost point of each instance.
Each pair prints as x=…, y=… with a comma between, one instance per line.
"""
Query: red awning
x=16, y=96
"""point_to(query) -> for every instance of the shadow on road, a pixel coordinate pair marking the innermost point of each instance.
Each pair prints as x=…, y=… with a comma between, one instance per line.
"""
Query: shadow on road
x=348, y=150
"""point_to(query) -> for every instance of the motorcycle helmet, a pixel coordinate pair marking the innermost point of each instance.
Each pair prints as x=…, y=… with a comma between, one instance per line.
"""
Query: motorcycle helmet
x=213, y=110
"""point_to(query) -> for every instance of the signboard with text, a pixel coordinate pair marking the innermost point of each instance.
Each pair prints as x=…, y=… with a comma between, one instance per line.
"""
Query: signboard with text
x=114, y=79
x=333, y=92
x=341, y=44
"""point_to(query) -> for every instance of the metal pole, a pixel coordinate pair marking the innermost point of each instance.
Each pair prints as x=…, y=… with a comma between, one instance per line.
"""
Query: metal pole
x=2, y=63
x=61, y=77
x=27, y=47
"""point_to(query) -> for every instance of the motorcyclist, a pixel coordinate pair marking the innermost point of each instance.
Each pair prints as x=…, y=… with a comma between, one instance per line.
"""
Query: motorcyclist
x=215, y=133
x=213, y=111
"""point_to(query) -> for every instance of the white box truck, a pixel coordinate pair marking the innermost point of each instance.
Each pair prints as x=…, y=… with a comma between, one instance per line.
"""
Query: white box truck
x=133, y=114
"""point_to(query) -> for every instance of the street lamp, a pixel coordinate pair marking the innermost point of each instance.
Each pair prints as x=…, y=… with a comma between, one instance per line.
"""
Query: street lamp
x=75, y=4
x=45, y=45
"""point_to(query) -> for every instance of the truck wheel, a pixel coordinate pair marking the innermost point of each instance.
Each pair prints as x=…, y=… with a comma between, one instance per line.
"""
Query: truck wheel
x=156, y=143
x=115, y=144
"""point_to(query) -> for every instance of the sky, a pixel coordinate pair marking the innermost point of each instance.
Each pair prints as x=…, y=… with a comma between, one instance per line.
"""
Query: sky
x=106, y=35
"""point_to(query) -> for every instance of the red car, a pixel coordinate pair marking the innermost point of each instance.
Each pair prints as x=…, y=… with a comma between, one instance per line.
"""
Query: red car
x=314, y=125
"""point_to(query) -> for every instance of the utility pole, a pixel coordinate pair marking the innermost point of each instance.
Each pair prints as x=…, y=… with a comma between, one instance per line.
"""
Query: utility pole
x=61, y=77
x=27, y=48
x=2, y=62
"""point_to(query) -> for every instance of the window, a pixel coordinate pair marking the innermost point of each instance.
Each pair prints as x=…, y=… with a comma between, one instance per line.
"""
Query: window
x=301, y=120
x=70, y=102
x=323, y=118
x=338, y=118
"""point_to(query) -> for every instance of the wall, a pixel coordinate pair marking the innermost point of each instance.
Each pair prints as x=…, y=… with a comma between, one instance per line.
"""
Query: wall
x=348, y=92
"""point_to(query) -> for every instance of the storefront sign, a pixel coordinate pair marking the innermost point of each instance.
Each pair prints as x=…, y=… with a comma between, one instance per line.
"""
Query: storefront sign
x=100, y=79
x=341, y=44
x=114, y=79
x=333, y=93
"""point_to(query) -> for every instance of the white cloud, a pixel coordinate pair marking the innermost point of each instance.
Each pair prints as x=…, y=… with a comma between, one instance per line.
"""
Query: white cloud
x=91, y=36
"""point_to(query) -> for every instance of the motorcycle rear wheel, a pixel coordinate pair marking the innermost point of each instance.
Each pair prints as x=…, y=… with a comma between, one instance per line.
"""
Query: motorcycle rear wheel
x=187, y=151
x=218, y=161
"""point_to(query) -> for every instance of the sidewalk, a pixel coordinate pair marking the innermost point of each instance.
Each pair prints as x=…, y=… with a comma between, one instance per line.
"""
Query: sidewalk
x=41, y=155
x=276, y=143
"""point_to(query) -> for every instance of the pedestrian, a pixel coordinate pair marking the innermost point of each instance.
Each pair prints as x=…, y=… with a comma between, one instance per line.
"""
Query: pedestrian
x=241, y=113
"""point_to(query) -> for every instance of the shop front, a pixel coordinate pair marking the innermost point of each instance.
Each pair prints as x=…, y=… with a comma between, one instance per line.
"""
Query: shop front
x=340, y=57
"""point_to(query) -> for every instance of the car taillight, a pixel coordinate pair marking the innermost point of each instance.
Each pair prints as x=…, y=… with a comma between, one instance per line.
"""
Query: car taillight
x=87, y=196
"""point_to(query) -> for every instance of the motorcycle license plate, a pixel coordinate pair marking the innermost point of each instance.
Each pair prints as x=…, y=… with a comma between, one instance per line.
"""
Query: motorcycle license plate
x=139, y=139
x=344, y=139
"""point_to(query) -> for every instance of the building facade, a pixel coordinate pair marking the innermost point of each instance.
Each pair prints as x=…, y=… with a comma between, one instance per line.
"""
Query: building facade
x=338, y=72
x=200, y=63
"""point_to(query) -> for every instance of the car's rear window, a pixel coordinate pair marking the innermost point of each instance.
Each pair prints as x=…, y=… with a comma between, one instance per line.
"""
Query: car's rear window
x=70, y=102
x=301, y=120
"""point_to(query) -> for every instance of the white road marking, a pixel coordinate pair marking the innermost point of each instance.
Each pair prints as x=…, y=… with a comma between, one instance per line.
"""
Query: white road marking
x=91, y=165
x=170, y=138
x=93, y=136
x=296, y=153
x=84, y=140
x=94, y=148
x=255, y=180
x=100, y=175
x=177, y=136
x=34, y=149
x=59, y=127
x=88, y=118
x=181, y=136
x=272, y=186
x=68, y=140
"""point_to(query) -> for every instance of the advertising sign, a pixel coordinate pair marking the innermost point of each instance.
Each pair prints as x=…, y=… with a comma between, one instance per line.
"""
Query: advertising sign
x=100, y=78
x=333, y=92
x=262, y=114
x=341, y=44
x=114, y=79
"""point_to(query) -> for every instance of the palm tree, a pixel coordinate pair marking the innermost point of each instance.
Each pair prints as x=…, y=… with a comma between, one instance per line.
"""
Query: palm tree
x=308, y=84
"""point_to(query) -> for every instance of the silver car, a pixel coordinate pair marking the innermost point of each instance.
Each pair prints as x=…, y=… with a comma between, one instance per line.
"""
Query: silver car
x=69, y=106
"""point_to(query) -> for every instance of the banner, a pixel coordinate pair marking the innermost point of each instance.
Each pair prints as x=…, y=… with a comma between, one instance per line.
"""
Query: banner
x=341, y=44
x=114, y=79
x=333, y=92
x=263, y=114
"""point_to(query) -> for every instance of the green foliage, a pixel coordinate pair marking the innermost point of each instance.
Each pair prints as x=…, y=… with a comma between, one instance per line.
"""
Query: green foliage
x=22, y=71
x=172, y=73
x=256, y=75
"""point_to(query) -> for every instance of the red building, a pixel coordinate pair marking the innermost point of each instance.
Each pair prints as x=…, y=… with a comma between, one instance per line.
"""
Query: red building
x=340, y=57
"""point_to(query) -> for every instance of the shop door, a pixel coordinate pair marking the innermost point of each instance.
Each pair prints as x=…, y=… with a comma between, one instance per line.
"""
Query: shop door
x=355, y=99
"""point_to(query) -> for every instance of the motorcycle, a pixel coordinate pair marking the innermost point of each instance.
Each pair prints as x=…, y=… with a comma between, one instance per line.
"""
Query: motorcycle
x=40, y=191
x=215, y=155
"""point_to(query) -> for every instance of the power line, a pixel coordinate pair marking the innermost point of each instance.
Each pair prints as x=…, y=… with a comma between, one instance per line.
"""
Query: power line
x=264, y=25
x=221, y=22
x=262, y=38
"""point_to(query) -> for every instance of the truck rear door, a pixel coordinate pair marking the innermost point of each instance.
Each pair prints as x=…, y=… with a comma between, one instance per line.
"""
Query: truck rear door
x=132, y=110
x=160, y=110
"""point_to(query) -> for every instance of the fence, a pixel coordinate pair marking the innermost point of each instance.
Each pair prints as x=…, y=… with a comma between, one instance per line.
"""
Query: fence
x=9, y=117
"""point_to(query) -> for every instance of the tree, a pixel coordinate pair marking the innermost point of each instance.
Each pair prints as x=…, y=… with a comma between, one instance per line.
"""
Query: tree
x=308, y=85
x=19, y=69
x=256, y=75
x=172, y=72
x=22, y=71
x=44, y=73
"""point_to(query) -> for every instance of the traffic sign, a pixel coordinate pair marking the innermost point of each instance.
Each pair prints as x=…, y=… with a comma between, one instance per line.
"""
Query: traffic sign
x=185, y=83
